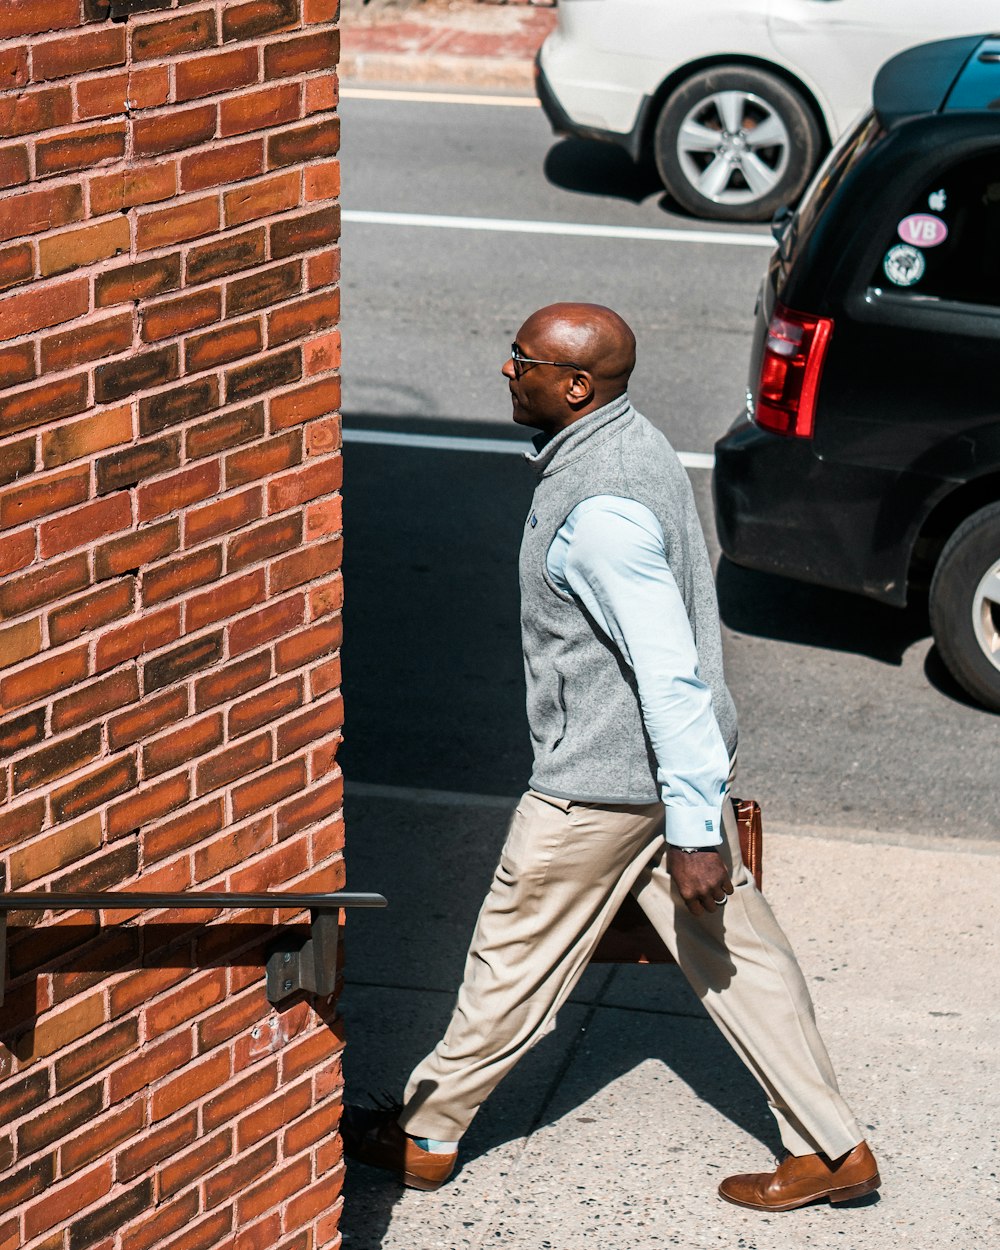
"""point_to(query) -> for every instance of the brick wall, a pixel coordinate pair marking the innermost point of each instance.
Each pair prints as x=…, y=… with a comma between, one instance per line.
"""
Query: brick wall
x=169, y=614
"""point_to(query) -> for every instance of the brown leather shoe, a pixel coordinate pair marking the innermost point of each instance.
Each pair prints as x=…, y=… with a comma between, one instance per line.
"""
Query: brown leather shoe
x=373, y=1136
x=801, y=1179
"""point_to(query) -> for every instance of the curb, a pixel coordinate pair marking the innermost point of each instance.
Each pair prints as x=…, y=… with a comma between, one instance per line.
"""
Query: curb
x=388, y=69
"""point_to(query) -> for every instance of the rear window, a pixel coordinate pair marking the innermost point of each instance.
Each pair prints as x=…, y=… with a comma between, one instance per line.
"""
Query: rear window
x=946, y=244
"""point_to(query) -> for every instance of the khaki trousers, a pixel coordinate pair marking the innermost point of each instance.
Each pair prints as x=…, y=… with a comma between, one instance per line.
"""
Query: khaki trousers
x=563, y=872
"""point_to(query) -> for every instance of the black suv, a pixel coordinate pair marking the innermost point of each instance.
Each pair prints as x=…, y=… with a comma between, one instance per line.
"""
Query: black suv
x=868, y=458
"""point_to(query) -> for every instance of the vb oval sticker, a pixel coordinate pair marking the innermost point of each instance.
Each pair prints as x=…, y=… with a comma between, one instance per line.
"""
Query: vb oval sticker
x=922, y=230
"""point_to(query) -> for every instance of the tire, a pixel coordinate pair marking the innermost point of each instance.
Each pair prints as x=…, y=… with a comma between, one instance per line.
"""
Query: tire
x=965, y=605
x=705, y=150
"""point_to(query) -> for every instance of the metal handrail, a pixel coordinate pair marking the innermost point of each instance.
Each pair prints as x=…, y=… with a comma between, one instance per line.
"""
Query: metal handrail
x=292, y=964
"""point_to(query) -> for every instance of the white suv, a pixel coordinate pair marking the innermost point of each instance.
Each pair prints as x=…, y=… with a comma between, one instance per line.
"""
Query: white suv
x=736, y=99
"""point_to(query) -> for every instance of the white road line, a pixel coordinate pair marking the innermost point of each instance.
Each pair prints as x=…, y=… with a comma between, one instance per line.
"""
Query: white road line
x=568, y=229
x=438, y=97
x=501, y=446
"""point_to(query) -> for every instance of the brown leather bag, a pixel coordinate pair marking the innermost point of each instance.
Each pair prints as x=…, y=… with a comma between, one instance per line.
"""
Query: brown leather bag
x=631, y=939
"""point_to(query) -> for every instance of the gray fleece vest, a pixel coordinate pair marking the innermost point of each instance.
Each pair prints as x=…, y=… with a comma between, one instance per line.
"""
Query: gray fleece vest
x=583, y=708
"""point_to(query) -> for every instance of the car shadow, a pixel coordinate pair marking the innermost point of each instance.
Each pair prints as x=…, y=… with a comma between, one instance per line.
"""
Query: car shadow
x=769, y=606
x=589, y=167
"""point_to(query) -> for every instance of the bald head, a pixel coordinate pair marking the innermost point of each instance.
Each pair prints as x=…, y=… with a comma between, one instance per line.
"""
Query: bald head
x=593, y=337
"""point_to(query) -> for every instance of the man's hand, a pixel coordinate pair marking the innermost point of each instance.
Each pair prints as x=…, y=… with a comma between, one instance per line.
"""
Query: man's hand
x=701, y=878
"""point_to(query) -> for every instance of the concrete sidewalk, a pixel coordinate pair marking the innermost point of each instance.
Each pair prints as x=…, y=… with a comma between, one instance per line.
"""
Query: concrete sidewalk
x=615, y=1131
x=441, y=43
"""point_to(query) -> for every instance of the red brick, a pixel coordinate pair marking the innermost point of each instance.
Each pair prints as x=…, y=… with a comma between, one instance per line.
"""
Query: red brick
x=230, y=513
x=234, y=163
x=161, y=227
x=178, y=491
x=246, y=1169
x=169, y=318
x=227, y=255
x=269, y=788
x=101, y=1138
x=302, y=318
x=79, y=53
x=229, y=429
x=153, y=714
x=263, y=288
x=67, y=845
x=204, y=1158
x=309, y=1204
x=94, y=789
x=121, y=378
x=33, y=1179
x=318, y=640
x=18, y=459
x=14, y=168
x=182, y=33
x=303, y=484
x=174, y=577
x=13, y=66
x=323, y=181
x=323, y=436
x=35, y=211
x=146, y=806
x=147, y=632
x=192, y=739
x=266, y=1232
x=126, y=555
x=178, y=405
x=304, y=143
x=190, y=1085
x=265, y=707
x=324, y=269
x=111, y=1216
x=100, y=1051
x=275, y=1190
x=17, y=364
x=322, y=96
x=138, y=280
x=263, y=374
x=56, y=1121
x=246, y=1012
x=305, y=565
x=264, y=460
x=31, y=112
x=47, y=304
x=85, y=525
x=90, y=612
x=228, y=766
x=264, y=626
x=61, y=1203
x=164, y=1221
x=319, y=1124
x=259, y=17
x=320, y=10
x=174, y=130
x=314, y=724
x=105, y=96
x=301, y=55
x=306, y=403
x=126, y=468
x=194, y=826
x=204, y=1236
x=18, y=733
x=96, y=700
x=219, y=71
x=95, y=340
x=33, y=771
x=323, y=801
x=132, y=187
x=236, y=846
x=17, y=265
x=259, y=110
x=260, y=199
x=176, y=665
x=226, y=1106
x=156, y=1145
x=17, y=824
x=41, y=495
x=232, y=681
x=306, y=233
x=272, y=1116
x=226, y=600
x=44, y=678
x=156, y=1060
x=62, y=252
x=227, y=343
x=42, y=585
x=81, y=148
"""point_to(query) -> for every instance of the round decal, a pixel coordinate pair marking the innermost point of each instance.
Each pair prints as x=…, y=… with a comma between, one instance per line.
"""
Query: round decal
x=904, y=265
x=922, y=230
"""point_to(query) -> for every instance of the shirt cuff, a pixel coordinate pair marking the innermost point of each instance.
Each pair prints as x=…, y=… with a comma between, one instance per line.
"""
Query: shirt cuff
x=694, y=826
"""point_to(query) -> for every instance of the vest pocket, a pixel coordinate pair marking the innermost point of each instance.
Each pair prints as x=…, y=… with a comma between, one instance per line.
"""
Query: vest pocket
x=560, y=711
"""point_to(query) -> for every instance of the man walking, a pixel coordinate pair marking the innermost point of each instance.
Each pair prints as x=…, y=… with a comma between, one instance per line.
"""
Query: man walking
x=634, y=736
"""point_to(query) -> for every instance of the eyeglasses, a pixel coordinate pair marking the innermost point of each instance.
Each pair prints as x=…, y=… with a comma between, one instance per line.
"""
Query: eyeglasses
x=520, y=360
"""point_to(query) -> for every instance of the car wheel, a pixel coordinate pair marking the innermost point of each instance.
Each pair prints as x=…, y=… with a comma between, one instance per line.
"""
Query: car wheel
x=734, y=143
x=965, y=605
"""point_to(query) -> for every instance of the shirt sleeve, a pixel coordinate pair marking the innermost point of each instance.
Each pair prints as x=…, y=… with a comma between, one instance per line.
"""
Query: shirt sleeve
x=610, y=554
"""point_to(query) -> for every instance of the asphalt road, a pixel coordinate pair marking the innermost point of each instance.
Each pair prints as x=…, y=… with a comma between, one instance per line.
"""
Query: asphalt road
x=848, y=722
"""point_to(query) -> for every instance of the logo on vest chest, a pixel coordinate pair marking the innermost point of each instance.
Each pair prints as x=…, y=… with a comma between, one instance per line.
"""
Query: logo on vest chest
x=532, y=520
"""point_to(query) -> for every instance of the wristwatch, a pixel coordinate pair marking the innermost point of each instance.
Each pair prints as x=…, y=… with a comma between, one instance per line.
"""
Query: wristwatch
x=693, y=850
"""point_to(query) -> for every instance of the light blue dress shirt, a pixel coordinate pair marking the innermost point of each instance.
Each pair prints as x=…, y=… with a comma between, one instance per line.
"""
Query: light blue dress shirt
x=610, y=554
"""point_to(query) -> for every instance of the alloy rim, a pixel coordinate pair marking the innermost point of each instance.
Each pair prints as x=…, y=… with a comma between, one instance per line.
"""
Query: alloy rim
x=986, y=615
x=733, y=147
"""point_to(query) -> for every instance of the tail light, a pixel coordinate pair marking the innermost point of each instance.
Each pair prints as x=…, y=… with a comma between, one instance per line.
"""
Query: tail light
x=790, y=371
